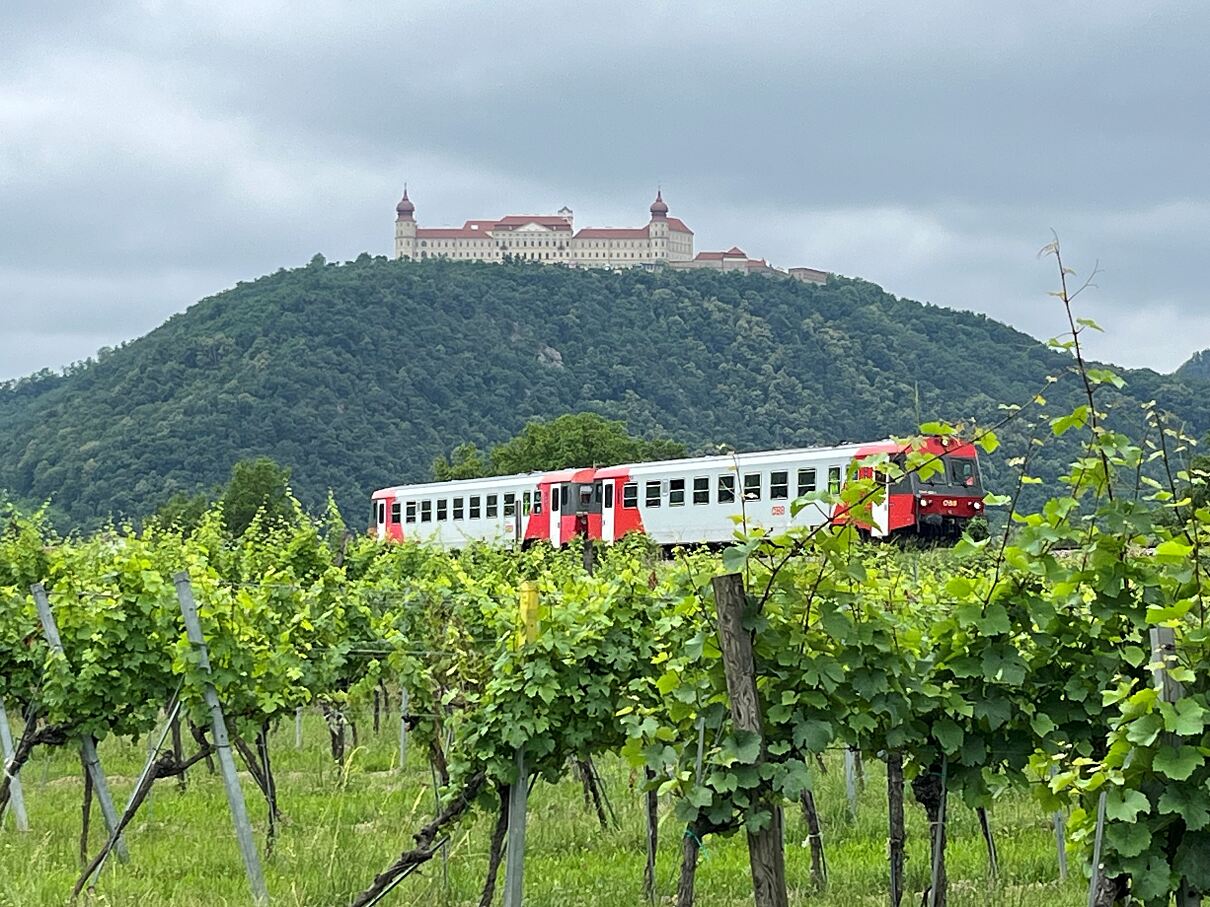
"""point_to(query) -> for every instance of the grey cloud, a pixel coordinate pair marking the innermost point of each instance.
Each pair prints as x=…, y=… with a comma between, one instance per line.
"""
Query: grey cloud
x=173, y=149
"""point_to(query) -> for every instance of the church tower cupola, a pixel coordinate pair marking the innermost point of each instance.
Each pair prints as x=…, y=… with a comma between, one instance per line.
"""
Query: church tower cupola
x=659, y=208
x=405, y=210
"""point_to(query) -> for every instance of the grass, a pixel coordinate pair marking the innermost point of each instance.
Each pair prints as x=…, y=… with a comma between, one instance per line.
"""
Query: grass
x=344, y=827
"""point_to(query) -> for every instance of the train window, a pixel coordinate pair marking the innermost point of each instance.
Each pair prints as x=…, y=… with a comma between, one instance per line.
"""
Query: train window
x=608, y=495
x=426, y=511
x=701, y=490
x=726, y=489
x=510, y=503
x=834, y=479
x=963, y=471
x=752, y=483
x=630, y=495
x=443, y=510
x=458, y=509
x=653, y=494
x=806, y=481
x=410, y=512
x=779, y=485
x=475, y=508
x=526, y=501
x=380, y=510
x=554, y=500
x=537, y=500
x=395, y=509
x=563, y=497
x=491, y=506
x=676, y=493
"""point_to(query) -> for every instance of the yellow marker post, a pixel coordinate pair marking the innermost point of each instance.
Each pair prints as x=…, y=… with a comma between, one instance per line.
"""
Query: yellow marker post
x=529, y=610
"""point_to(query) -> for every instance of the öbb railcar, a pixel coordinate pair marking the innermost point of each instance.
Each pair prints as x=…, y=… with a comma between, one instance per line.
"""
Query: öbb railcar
x=690, y=501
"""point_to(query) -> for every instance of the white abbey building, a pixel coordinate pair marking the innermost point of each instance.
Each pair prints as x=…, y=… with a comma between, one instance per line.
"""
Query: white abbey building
x=550, y=238
x=553, y=239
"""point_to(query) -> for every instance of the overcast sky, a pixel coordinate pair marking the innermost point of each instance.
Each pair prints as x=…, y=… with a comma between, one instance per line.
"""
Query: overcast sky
x=154, y=153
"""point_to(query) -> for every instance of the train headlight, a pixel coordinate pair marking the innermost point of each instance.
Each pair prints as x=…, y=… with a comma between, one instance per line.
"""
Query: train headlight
x=978, y=505
x=924, y=502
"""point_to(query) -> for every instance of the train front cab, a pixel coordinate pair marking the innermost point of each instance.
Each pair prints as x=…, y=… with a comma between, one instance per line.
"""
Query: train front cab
x=939, y=506
x=948, y=500
x=576, y=501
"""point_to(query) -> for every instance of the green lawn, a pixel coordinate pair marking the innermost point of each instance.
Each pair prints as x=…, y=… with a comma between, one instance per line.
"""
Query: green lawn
x=341, y=830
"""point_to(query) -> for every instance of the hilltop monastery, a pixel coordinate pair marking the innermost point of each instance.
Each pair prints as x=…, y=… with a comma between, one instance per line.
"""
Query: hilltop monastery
x=552, y=239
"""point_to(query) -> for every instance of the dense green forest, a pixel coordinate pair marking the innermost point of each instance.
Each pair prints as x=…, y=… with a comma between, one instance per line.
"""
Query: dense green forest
x=360, y=375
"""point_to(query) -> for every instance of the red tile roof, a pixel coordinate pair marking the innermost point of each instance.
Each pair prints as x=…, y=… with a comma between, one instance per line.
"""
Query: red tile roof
x=733, y=252
x=675, y=223
x=545, y=220
x=451, y=233
x=612, y=233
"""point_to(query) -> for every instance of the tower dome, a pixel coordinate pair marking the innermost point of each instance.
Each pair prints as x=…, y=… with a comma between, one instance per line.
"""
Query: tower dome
x=659, y=208
x=405, y=209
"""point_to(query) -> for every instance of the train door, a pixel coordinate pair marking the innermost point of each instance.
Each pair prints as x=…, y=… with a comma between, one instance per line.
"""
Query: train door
x=557, y=495
x=380, y=519
x=607, y=505
x=881, y=510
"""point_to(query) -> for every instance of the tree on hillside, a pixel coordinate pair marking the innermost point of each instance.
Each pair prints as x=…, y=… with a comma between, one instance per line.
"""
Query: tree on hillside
x=256, y=484
x=573, y=439
x=184, y=511
x=577, y=439
x=466, y=462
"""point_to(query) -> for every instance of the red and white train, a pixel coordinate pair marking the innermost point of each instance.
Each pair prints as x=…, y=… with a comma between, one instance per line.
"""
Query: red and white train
x=681, y=502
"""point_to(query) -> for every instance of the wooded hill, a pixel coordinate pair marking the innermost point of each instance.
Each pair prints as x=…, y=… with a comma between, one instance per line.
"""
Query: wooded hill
x=357, y=375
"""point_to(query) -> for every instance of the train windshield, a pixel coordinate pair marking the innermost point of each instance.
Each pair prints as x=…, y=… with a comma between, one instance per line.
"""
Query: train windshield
x=586, y=496
x=963, y=471
x=956, y=473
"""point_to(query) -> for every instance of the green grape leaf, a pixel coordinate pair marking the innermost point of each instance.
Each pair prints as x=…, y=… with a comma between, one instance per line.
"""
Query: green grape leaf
x=1143, y=730
x=1042, y=724
x=1151, y=879
x=1173, y=549
x=1177, y=762
x=1125, y=805
x=994, y=620
x=1186, y=717
x=1128, y=839
x=1192, y=861
x=1190, y=803
x=741, y=746
x=949, y=734
x=813, y=735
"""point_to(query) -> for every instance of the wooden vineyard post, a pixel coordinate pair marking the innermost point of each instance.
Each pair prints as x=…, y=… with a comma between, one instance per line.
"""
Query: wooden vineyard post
x=514, y=855
x=16, y=797
x=222, y=744
x=652, y=801
x=850, y=781
x=518, y=794
x=1163, y=656
x=1094, y=882
x=1060, y=824
x=403, y=729
x=88, y=746
x=765, y=853
x=938, y=883
x=896, y=834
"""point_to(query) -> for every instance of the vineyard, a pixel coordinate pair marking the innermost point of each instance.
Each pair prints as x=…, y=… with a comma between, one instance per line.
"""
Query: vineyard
x=656, y=711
